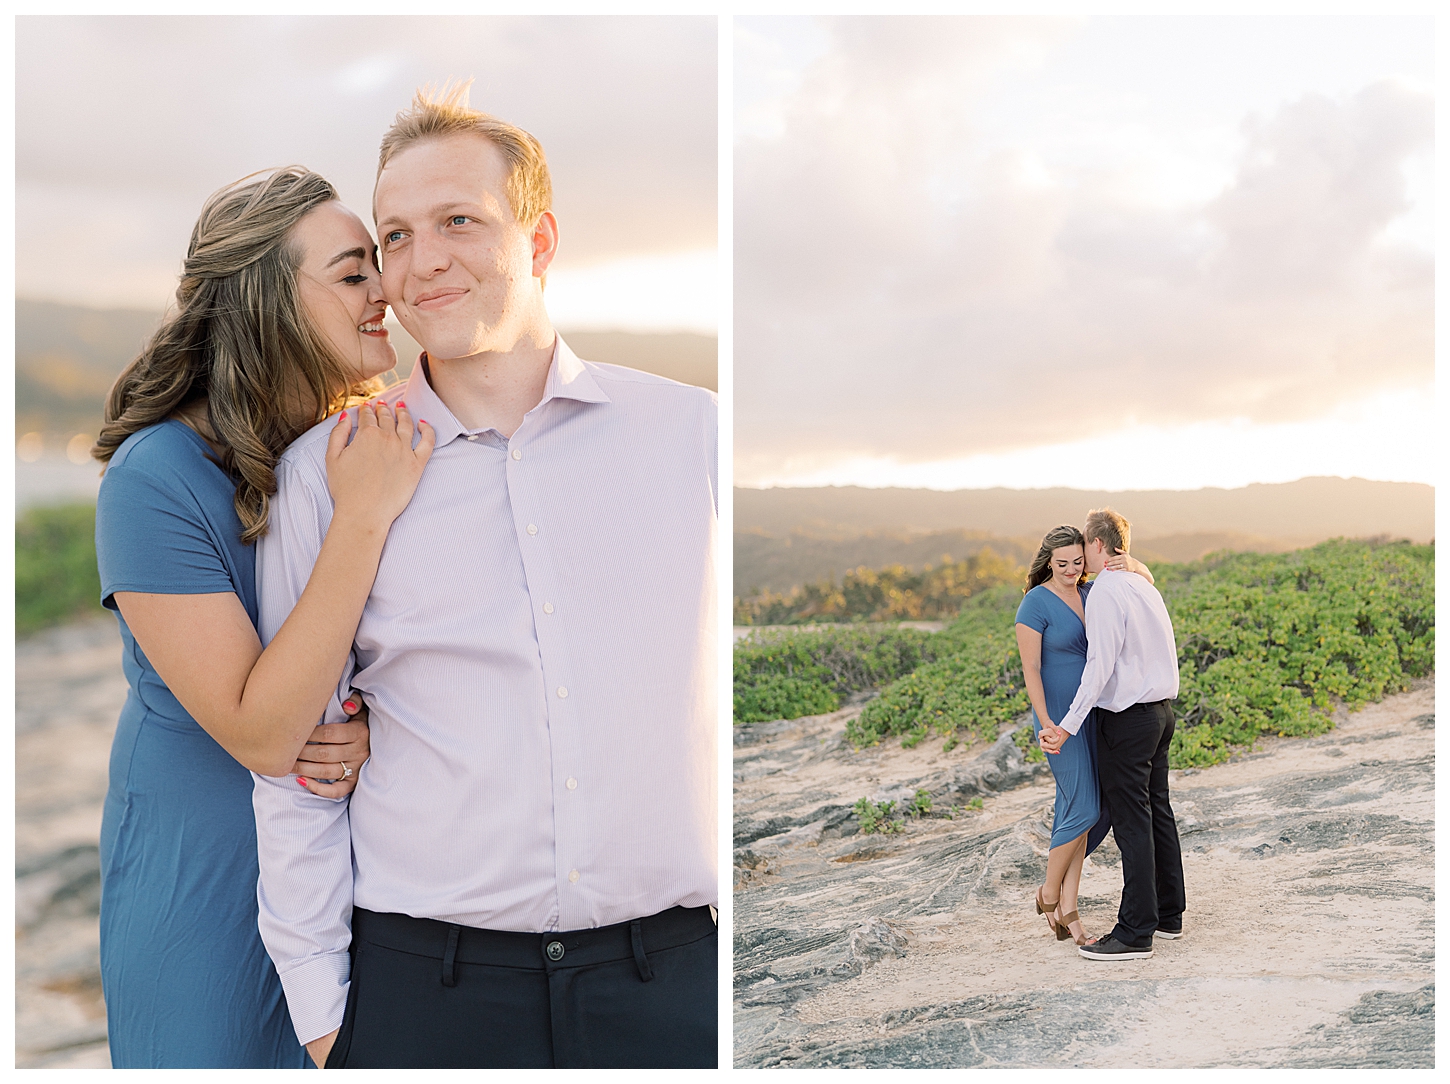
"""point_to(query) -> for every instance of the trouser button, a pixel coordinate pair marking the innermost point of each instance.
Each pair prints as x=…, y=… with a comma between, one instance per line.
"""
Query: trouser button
x=554, y=950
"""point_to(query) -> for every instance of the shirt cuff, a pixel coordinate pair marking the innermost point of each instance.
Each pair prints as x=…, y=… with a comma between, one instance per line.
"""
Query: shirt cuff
x=316, y=992
x=1071, y=725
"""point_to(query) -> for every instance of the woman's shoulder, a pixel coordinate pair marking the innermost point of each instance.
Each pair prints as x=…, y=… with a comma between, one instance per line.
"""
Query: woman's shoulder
x=165, y=466
x=161, y=449
x=1032, y=601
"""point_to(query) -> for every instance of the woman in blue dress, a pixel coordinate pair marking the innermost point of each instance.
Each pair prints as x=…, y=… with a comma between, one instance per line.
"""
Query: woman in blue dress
x=278, y=319
x=1052, y=640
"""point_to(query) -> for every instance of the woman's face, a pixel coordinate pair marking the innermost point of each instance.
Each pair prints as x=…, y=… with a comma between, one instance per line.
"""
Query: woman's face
x=1066, y=565
x=341, y=289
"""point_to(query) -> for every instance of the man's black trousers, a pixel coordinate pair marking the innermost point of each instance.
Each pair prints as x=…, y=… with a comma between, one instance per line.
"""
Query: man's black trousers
x=429, y=994
x=1133, y=776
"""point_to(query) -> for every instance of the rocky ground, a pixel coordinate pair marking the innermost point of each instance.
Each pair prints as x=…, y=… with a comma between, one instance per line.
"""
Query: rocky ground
x=68, y=692
x=1309, y=940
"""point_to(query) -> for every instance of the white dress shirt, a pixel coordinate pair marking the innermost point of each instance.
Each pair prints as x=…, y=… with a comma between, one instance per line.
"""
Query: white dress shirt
x=538, y=659
x=1131, y=656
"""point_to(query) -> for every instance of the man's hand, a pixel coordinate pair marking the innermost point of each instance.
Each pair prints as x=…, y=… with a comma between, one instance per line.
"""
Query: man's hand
x=320, y=1048
x=1052, y=737
x=319, y=766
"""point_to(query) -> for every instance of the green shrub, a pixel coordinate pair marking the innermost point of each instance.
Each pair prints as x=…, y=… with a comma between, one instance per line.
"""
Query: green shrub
x=788, y=674
x=886, y=594
x=55, y=566
x=1266, y=644
x=973, y=686
x=876, y=817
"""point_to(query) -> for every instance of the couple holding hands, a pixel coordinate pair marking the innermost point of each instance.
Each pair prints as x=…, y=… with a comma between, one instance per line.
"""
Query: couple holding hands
x=421, y=721
x=1100, y=659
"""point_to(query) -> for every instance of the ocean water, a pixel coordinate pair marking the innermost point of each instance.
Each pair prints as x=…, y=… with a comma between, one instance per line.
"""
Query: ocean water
x=55, y=480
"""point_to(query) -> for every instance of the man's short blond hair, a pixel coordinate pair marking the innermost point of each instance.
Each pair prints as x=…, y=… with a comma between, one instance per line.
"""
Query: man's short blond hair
x=445, y=112
x=1106, y=525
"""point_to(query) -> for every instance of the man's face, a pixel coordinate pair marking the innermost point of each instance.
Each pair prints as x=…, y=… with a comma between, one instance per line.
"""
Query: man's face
x=1097, y=556
x=458, y=269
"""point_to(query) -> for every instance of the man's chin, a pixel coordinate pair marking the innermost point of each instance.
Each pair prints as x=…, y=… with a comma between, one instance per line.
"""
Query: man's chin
x=447, y=347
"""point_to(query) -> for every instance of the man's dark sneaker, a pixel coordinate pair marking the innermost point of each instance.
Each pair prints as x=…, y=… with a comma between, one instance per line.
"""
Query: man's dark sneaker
x=1110, y=948
x=1169, y=933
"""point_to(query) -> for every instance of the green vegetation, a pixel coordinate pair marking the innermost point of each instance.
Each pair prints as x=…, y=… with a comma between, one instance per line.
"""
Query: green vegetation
x=1267, y=643
x=55, y=566
x=876, y=817
x=784, y=675
x=888, y=594
x=973, y=683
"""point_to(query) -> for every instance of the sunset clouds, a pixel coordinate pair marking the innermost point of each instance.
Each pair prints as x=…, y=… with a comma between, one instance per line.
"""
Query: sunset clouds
x=955, y=238
x=125, y=124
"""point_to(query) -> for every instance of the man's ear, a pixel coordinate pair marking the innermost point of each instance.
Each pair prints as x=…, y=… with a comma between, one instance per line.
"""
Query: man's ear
x=546, y=243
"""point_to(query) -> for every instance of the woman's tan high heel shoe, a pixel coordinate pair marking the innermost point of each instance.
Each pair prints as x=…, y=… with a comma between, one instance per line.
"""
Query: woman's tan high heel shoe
x=1045, y=908
x=1063, y=933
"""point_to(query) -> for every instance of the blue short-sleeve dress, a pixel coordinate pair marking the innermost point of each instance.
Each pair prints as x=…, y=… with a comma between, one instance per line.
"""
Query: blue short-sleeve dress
x=1079, y=808
x=187, y=981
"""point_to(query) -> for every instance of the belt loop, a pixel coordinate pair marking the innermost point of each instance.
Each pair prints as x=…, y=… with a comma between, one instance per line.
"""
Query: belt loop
x=450, y=957
x=640, y=961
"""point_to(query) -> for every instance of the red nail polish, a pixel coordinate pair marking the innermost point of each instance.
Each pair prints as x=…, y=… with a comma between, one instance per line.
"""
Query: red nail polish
x=302, y=782
x=349, y=707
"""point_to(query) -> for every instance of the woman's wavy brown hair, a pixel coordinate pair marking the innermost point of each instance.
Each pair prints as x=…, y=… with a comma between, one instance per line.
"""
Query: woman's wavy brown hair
x=239, y=338
x=1038, y=571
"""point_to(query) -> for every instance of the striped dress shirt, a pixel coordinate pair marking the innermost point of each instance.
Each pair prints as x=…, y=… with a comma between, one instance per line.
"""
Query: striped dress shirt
x=538, y=659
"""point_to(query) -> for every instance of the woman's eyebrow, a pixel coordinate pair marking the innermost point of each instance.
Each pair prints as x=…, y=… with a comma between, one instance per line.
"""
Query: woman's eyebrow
x=356, y=253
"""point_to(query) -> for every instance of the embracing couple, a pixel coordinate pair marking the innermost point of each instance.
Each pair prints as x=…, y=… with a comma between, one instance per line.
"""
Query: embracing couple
x=417, y=766
x=1099, y=658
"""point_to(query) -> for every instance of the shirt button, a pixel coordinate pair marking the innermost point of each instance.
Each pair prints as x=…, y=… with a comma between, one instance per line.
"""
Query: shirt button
x=472, y=436
x=571, y=783
x=548, y=607
x=517, y=454
x=563, y=692
x=573, y=876
x=532, y=529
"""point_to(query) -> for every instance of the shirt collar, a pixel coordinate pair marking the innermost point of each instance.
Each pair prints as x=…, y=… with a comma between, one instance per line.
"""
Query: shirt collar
x=567, y=379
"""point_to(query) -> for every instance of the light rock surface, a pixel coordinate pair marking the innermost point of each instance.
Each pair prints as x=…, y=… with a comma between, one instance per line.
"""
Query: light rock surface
x=68, y=693
x=1309, y=938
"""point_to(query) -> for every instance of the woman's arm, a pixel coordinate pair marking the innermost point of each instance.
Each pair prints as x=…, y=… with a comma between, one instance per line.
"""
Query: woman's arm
x=1122, y=561
x=1029, y=646
x=262, y=706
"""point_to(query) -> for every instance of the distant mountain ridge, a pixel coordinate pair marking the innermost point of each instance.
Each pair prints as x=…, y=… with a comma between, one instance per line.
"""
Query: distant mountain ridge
x=67, y=357
x=789, y=537
x=1306, y=511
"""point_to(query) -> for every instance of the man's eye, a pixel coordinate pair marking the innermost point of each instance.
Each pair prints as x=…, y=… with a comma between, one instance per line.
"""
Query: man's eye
x=459, y=220
x=394, y=237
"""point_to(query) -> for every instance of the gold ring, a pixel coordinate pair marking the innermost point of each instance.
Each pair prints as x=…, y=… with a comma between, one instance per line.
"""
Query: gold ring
x=346, y=771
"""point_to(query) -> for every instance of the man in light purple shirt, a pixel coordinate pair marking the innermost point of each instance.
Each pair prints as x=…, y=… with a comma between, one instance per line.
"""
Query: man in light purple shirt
x=1131, y=677
x=525, y=873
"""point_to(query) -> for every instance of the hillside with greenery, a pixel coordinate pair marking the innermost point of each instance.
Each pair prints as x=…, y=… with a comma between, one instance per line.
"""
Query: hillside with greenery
x=55, y=566
x=1267, y=643
x=889, y=594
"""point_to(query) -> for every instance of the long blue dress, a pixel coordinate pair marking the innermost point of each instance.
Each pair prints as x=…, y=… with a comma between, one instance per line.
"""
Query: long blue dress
x=1079, y=807
x=186, y=980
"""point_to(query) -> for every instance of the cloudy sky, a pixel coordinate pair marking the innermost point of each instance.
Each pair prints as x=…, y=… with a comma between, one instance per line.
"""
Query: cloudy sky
x=1122, y=252
x=125, y=124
